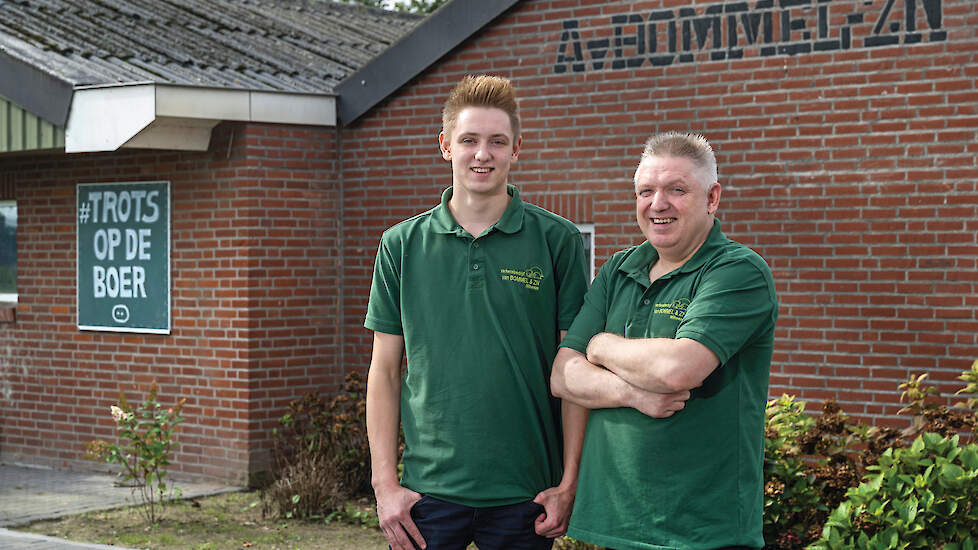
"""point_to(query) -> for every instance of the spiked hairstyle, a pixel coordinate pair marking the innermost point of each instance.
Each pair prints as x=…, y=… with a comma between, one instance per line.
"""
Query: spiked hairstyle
x=481, y=91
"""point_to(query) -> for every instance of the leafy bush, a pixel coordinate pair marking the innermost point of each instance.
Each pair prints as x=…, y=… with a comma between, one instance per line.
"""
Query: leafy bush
x=809, y=464
x=812, y=465
x=791, y=501
x=321, y=454
x=923, y=496
x=971, y=377
x=148, y=445
x=929, y=417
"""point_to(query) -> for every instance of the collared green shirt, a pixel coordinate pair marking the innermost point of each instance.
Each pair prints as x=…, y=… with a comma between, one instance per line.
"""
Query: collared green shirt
x=481, y=319
x=693, y=480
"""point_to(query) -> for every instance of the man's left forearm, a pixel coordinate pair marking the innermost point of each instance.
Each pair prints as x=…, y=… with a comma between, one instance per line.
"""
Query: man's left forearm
x=659, y=365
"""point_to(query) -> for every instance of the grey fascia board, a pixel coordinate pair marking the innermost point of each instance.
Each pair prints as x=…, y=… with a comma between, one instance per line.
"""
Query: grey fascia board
x=34, y=90
x=434, y=37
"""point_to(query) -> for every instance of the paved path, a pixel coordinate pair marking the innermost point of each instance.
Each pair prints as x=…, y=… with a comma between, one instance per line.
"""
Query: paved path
x=32, y=494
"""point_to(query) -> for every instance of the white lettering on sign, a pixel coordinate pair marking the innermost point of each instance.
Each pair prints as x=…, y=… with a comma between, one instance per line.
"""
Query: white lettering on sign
x=105, y=242
x=127, y=281
x=112, y=207
x=137, y=244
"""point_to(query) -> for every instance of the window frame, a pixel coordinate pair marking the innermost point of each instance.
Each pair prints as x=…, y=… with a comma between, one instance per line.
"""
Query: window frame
x=8, y=298
x=588, y=229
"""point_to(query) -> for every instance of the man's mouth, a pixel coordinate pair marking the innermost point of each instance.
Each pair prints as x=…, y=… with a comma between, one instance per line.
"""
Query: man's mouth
x=662, y=221
x=481, y=169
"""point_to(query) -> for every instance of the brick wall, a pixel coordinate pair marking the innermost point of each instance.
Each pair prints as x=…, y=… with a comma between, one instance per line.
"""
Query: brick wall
x=846, y=133
x=255, y=295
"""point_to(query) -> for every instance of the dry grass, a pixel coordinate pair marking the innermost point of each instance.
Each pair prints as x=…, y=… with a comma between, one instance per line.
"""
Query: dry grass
x=223, y=522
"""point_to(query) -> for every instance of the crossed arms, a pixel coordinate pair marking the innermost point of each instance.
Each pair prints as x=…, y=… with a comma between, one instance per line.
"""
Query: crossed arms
x=652, y=375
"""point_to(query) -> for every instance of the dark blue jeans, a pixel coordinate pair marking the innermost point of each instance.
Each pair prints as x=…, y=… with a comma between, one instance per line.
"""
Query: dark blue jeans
x=447, y=526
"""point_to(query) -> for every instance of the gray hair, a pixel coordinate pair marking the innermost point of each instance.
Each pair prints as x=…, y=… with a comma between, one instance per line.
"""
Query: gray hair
x=686, y=145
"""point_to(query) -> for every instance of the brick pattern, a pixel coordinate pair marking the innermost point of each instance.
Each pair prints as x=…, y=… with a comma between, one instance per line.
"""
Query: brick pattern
x=255, y=288
x=849, y=166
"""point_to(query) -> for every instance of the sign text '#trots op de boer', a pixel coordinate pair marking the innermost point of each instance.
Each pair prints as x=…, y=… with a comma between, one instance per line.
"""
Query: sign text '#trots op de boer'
x=124, y=257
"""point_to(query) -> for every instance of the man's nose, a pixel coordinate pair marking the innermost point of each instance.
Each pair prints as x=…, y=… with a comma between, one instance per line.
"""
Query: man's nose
x=659, y=201
x=482, y=152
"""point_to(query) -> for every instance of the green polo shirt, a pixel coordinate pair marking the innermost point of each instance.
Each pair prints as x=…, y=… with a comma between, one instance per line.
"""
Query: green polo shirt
x=481, y=319
x=693, y=480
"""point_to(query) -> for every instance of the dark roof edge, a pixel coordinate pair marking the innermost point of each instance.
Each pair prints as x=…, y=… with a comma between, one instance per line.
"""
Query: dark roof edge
x=437, y=35
x=36, y=91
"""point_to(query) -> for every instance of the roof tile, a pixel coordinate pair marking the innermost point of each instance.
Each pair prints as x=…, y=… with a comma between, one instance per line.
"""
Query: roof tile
x=284, y=45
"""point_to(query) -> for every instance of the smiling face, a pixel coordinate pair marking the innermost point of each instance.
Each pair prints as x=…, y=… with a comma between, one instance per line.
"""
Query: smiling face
x=481, y=148
x=674, y=205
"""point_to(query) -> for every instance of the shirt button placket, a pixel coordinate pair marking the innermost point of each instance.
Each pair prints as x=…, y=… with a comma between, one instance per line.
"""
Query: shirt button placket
x=477, y=264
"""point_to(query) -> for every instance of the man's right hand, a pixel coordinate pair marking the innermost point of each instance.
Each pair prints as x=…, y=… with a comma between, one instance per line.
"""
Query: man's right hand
x=656, y=405
x=394, y=504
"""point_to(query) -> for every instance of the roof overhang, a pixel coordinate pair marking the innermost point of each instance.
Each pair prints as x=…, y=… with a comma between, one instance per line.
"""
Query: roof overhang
x=162, y=116
x=37, y=91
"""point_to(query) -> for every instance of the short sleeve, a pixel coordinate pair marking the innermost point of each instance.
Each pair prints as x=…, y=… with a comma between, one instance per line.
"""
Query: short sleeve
x=571, y=272
x=384, y=305
x=592, y=317
x=734, y=305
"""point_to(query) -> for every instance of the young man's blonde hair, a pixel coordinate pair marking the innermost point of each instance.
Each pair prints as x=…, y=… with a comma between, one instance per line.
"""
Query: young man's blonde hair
x=481, y=91
x=686, y=145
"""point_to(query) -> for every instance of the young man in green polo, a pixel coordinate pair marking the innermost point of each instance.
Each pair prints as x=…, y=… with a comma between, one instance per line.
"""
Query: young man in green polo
x=477, y=292
x=671, y=352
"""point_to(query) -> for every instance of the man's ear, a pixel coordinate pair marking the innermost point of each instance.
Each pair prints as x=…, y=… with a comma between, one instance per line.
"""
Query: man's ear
x=516, y=147
x=444, y=146
x=713, y=198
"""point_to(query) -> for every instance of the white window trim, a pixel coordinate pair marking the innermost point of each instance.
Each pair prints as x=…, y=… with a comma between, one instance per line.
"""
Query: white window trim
x=588, y=228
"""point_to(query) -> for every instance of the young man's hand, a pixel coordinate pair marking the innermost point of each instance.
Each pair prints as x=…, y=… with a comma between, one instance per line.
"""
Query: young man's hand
x=394, y=512
x=557, y=504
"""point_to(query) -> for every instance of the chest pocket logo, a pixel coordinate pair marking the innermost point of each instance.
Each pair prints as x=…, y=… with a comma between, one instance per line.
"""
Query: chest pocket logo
x=530, y=277
x=675, y=310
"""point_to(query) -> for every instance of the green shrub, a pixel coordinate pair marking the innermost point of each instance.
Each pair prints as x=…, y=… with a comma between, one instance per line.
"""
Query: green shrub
x=931, y=417
x=923, y=496
x=971, y=378
x=809, y=464
x=791, y=501
x=321, y=454
x=148, y=435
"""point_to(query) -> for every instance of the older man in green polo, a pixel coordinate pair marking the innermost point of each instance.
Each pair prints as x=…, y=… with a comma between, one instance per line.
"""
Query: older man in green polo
x=671, y=352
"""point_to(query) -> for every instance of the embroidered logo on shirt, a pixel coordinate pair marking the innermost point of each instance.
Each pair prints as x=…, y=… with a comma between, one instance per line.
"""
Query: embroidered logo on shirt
x=676, y=310
x=529, y=277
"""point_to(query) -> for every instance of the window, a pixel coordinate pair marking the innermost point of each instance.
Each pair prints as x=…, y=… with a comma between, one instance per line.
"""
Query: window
x=587, y=235
x=8, y=252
